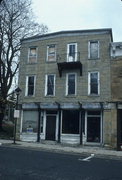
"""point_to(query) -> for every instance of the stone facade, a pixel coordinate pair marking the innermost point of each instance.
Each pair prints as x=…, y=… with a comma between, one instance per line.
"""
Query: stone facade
x=92, y=111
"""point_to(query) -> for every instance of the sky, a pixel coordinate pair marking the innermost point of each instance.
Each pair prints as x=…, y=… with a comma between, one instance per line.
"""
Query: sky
x=60, y=15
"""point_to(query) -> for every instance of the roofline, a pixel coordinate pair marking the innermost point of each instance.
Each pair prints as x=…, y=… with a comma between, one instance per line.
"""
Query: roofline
x=69, y=32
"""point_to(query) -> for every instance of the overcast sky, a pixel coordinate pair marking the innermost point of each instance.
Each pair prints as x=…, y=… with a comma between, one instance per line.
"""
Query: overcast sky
x=61, y=15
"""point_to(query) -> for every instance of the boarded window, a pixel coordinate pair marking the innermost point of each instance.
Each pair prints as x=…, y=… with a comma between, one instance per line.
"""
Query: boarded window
x=51, y=53
x=32, y=54
x=70, y=122
x=94, y=50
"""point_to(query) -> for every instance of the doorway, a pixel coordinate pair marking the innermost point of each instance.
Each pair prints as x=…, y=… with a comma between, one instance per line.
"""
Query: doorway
x=93, y=127
x=51, y=127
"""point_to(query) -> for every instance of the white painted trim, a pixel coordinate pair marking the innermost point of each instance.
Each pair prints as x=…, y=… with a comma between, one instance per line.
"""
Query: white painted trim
x=68, y=51
x=47, y=53
x=101, y=129
x=46, y=77
x=67, y=75
x=21, y=121
x=26, y=85
x=89, y=84
x=89, y=55
x=29, y=53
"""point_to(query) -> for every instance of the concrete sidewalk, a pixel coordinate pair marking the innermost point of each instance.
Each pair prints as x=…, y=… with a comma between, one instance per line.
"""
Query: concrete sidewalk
x=98, y=151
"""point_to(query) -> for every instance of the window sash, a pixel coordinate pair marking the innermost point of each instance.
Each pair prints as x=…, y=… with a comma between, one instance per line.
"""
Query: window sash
x=32, y=54
x=50, y=85
x=51, y=53
x=71, y=84
x=72, y=52
x=94, y=83
x=93, y=49
x=30, y=85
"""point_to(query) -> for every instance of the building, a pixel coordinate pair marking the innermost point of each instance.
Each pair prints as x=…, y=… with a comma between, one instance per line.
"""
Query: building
x=116, y=87
x=66, y=96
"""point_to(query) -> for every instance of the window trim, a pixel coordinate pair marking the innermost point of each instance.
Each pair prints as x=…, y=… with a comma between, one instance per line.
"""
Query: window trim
x=47, y=59
x=76, y=50
x=26, y=87
x=32, y=56
x=46, y=78
x=89, y=54
x=67, y=75
x=89, y=84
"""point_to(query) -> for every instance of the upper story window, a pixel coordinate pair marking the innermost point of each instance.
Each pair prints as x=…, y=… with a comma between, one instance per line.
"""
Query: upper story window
x=71, y=84
x=32, y=55
x=71, y=52
x=51, y=53
x=93, y=49
x=30, y=85
x=93, y=83
x=50, y=85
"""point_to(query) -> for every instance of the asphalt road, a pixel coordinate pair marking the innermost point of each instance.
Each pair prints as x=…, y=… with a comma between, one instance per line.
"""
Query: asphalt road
x=27, y=164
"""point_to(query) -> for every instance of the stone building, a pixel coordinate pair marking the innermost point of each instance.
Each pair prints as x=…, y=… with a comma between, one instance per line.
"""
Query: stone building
x=66, y=96
x=116, y=87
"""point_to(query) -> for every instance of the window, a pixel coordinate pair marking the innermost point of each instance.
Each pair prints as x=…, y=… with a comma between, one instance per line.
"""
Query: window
x=93, y=83
x=93, y=50
x=71, y=84
x=32, y=54
x=70, y=122
x=51, y=53
x=72, y=52
x=50, y=85
x=30, y=85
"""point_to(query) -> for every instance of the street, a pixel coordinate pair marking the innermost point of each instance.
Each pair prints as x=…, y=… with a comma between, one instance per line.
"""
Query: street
x=27, y=164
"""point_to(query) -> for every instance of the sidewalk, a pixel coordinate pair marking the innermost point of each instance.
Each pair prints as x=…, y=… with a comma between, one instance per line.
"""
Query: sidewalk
x=98, y=151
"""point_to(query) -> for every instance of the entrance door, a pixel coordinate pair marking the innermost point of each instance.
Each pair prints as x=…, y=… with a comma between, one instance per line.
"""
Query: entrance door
x=50, y=127
x=94, y=127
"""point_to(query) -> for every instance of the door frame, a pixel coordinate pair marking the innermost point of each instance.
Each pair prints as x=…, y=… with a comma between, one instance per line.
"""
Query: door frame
x=45, y=122
x=101, y=129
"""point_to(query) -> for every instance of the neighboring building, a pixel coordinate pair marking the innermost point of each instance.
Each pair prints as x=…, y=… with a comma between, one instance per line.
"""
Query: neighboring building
x=116, y=87
x=66, y=97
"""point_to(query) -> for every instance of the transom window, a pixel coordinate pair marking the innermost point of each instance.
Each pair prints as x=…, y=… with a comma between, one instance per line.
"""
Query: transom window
x=51, y=53
x=30, y=85
x=93, y=49
x=50, y=85
x=93, y=83
x=32, y=54
x=72, y=52
x=71, y=84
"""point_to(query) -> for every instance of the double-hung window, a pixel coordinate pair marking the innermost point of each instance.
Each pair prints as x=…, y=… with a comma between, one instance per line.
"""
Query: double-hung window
x=93, y=49
x=50, y=85
x=93, y=83
x=51, y=53
x=30, y=85
x=32, y=55
x=71, y=52
x=71, y=84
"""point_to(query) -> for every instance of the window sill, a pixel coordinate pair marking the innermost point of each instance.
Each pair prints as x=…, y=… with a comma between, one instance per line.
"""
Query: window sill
x=71, y=96
x=94, y=95
x=94, y=59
